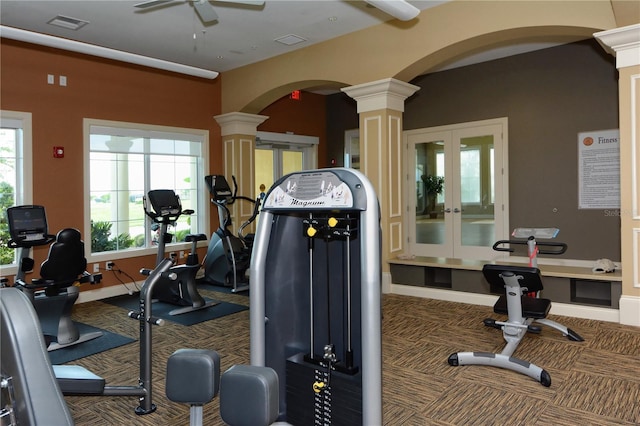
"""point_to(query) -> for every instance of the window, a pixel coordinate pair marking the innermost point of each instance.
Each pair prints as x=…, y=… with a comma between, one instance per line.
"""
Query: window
x=15, y=174
x=125, y=162
x=470, y=176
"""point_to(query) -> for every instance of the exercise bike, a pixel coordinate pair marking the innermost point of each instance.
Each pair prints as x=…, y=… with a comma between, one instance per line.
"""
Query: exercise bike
x=24, y=361
x=55, y=292
x=164, y=208
x=522, y=304
x=228, y=256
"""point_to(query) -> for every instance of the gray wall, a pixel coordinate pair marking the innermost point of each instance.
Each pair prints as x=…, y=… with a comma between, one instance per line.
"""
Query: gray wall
x=549, y=96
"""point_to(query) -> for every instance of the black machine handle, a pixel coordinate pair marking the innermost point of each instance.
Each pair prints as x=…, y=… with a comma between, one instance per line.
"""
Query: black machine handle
x=543, y=248
x=25, y=243
x=254, y=214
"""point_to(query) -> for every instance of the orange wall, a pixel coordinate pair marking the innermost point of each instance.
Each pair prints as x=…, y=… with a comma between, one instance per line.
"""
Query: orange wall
x=306, y=116
x=98, y=89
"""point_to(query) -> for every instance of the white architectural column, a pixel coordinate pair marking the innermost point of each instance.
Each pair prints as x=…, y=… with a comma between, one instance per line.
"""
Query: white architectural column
x=624, y=44
x=380, y=107
x=238, y=130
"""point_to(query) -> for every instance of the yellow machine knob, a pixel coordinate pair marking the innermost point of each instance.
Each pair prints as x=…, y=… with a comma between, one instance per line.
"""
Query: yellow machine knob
x=332, y=222
x=318, y=386
x=311, y=231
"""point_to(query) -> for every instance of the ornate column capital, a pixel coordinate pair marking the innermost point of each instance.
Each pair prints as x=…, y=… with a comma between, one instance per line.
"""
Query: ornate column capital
x=239, y=123
x=387, y=93
x=623, y=43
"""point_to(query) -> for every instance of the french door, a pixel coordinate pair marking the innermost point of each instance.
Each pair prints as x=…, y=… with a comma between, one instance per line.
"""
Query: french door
x=274, y=162
x=278, y=154
x=468, y=163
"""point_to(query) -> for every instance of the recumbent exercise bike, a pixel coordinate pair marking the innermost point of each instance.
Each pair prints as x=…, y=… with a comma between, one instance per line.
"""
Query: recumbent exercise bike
x=55, y=292
x=164, y=208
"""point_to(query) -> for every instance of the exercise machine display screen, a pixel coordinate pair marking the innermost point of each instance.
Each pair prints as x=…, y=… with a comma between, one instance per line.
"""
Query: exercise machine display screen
x=218, y=187
x=27, y=223
x=165, y=202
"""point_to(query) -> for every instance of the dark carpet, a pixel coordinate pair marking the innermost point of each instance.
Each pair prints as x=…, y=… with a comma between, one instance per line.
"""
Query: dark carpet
x=162, y=309
x=107, y=341
x=227, y=290
x=595, y=382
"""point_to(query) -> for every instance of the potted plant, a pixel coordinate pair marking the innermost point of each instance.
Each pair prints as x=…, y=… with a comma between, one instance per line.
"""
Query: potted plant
x=433, y=186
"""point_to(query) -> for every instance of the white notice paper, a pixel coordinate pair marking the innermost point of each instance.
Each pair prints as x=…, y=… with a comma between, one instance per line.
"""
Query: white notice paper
x=599, y=169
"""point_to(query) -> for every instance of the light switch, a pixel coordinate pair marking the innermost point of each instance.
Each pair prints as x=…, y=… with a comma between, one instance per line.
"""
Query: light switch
x=63, y=80
x=50, y=78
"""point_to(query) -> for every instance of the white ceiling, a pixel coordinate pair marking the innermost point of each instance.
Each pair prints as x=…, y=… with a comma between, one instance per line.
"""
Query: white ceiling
x=243, y=34
x=173, y=32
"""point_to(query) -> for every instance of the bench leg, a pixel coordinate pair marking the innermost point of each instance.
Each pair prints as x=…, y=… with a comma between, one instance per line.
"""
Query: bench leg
x=571, y=335
x=502, y=361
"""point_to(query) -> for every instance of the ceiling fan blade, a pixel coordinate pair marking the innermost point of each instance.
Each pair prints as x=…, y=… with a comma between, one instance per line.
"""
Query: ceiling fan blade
x=151, y=3
x=399, y=9
x=249, y=2
x=205, y=11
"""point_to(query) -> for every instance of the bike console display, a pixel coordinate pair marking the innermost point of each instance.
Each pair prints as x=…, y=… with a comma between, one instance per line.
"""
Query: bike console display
x=28, y=225
x=165, y=202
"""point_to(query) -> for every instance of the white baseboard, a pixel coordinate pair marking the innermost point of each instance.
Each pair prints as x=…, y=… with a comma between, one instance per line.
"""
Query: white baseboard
x=386, y=282
x=564, y=309
x=446, y=295
x=630, y=310
x=586, y=312
x=104, y=293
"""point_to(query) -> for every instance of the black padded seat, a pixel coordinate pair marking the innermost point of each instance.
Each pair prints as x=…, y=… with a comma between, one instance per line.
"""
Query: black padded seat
x=66, y=261
x=531, y=307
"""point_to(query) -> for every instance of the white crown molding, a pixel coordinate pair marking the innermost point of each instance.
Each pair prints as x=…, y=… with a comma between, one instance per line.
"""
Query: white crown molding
x=103, y=52
x=387, y=93
x=239, y=123
x=623, y=43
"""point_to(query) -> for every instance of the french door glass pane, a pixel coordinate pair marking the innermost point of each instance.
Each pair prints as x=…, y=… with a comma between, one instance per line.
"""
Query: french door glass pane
x=476, y=191
x=291, y=162
x=429, y=162
x=264, y=169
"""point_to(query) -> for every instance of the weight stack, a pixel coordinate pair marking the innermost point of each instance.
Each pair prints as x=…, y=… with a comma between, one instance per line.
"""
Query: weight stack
x=338, y=404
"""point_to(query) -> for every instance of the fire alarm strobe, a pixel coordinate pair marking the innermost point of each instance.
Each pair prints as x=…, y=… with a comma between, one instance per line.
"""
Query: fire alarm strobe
x=58, y=152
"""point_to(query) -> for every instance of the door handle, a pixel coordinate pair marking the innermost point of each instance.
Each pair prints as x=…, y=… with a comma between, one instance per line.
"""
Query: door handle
x=457, y=210
x=447, y=210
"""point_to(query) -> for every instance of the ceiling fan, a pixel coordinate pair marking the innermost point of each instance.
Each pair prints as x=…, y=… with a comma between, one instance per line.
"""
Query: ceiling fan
x=399, y=9
x=204, y=9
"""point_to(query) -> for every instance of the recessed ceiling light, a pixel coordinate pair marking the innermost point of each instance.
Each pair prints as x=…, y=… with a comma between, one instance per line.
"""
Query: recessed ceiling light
x=290, y=39
x=68, y=22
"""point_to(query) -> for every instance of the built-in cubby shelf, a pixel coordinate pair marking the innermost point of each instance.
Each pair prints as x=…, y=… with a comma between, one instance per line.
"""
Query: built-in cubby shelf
x=563, y=284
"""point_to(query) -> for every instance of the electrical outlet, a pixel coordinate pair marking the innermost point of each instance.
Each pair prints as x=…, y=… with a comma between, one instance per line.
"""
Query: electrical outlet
x=96, y=268
x=109, y=265
x=181, y=254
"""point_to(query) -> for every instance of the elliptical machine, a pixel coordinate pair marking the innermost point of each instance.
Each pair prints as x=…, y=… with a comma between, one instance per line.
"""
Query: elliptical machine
x=228, y=256
x=165, y=209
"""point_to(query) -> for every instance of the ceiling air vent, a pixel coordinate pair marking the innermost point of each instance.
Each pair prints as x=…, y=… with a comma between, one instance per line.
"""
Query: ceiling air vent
x=290, y=39
x=68, y=22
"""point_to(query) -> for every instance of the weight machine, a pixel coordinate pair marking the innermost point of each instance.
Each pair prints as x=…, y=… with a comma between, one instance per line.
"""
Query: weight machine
x=315, y=297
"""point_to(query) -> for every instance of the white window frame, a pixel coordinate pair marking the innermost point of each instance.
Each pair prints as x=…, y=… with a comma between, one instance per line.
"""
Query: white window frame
x=202, y=201
x=24, y=172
